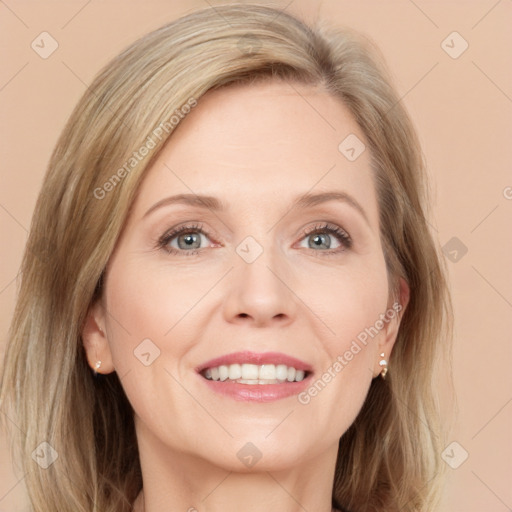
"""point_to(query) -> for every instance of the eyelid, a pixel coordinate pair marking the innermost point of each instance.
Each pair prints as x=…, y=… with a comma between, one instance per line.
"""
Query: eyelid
x=330, y=228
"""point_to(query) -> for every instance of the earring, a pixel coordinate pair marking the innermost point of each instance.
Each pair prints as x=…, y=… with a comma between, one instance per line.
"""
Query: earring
x=384, y=365
x=96, y=367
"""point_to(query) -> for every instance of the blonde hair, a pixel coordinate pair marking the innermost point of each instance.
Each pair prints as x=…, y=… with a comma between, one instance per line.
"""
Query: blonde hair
x=389, y=459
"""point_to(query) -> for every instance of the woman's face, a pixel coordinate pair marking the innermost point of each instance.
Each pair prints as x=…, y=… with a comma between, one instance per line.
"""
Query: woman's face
x=274, y=283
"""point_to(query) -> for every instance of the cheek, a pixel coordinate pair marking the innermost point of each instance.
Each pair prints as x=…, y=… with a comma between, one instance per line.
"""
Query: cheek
x=351, y=302
x=149, y=304
x=352, y=309
x=149, y=319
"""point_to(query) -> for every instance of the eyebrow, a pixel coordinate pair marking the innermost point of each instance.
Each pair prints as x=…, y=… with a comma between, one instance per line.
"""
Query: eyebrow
x=301, y=202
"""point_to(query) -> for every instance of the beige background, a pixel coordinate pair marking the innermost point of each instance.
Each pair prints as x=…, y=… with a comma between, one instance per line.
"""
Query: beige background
x=462, y=108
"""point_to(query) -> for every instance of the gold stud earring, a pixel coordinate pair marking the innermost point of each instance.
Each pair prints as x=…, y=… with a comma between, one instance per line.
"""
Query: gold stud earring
x=384, y=365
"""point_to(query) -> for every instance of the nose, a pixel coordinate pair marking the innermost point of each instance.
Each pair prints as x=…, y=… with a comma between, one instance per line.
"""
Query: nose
x=260, y=293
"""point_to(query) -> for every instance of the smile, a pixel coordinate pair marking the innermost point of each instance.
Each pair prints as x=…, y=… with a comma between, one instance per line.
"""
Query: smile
x=256, y=377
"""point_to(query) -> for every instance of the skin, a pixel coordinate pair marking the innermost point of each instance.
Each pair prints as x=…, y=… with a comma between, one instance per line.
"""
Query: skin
x=256, y=148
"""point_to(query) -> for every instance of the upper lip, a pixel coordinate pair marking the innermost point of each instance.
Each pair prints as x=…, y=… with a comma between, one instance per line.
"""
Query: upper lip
x=256, y=358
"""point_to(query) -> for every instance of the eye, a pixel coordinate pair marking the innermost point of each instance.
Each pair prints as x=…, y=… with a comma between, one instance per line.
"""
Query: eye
x=187, y=240
x=184, y=240
x=321, y=237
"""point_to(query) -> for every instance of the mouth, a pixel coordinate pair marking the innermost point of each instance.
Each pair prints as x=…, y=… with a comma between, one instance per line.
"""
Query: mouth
x=250, y=376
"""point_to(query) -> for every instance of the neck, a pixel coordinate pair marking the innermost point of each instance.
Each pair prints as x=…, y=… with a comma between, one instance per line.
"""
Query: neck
x=177, y=481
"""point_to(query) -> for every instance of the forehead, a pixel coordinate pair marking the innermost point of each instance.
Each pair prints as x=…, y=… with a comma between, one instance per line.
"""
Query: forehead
x=258, y=144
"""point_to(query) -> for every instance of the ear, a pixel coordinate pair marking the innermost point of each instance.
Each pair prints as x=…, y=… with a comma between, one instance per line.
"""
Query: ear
x=391, y=327
x=95, y=340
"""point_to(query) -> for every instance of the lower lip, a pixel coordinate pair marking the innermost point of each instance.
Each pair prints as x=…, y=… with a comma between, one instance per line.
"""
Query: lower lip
x=257, y=392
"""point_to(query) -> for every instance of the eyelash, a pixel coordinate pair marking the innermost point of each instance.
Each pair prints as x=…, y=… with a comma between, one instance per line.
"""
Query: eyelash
x=342, y=236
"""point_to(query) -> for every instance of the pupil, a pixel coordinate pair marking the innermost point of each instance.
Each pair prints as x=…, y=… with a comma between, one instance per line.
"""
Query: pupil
x=189, y=239
x=318, y=240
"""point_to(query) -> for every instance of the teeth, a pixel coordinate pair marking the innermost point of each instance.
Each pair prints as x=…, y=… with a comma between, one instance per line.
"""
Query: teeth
x=268, y=371
x=235, y=372
x=250, y=371
x=223, y=372
x=281, y=372
x=255, y=374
